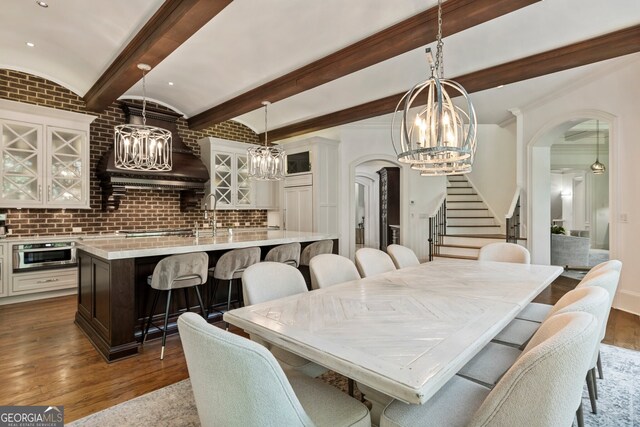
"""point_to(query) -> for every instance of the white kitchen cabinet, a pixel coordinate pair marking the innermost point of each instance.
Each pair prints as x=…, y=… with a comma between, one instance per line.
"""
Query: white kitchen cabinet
x=45, y=157
x=311, y=198
x=229, y=177
x=46, y=280
x=298, y=208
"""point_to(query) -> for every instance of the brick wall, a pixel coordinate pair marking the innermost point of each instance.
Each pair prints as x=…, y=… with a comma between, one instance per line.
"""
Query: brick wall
x=140, y=209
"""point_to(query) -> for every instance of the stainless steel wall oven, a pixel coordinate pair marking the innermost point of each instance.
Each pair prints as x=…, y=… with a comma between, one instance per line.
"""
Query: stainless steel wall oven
x=40, y=256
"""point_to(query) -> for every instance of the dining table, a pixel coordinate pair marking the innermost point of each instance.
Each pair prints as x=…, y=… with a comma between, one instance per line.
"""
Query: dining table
x=404, y=333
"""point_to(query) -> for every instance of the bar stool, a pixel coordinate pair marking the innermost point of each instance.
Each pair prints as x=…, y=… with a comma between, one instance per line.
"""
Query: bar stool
x=176, y=272
x=287, y=254
x=320, y=247
x=230, y=267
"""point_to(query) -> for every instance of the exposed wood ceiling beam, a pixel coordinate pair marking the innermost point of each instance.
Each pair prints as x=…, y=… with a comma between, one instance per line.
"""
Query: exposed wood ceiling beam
x=412, y=33
x=173, y=23
x=612, y=45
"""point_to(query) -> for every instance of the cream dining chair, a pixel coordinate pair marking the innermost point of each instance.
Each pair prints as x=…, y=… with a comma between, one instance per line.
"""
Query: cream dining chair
x=488, y=366
x=267, y=281
x=330, y=269
x=504, y=252
x=402, y=256
x=543, y=388
x=371, y=262
x=537, y=312
x=237, y=382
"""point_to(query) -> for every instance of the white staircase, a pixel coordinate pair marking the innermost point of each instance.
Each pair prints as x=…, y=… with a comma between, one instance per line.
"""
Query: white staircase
x=470, y=224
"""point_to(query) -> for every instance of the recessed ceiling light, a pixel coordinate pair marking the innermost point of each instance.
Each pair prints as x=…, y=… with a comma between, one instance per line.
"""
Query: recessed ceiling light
x=42, y=3
x=30, y=44
x=170, y=83
x=500, y=86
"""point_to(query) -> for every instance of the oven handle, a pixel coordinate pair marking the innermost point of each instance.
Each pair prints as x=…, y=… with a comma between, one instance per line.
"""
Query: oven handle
x=59, y=248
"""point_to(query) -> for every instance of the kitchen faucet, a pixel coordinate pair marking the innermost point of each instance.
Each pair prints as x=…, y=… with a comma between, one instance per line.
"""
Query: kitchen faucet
x=211, y=214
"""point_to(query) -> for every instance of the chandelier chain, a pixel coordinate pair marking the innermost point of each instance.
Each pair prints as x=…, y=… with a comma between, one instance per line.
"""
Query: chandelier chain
x=144, y=100
x=266, y=106
x=597, y=140
x=439, y=65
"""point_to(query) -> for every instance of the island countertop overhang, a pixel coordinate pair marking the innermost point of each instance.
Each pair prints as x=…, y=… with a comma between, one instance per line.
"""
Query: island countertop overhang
x=136, y=247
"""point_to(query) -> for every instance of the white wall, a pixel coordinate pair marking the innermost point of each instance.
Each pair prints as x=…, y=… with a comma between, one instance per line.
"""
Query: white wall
x=612, y=97
x=494, y=167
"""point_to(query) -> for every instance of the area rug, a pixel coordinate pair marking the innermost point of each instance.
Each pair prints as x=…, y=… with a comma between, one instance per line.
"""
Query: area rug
x=618, y=403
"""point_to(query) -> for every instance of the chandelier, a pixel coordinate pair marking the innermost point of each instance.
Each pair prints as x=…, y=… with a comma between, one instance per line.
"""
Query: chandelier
x=142, y=147
x=598, y=168
x=266, y=163
x=436, y=136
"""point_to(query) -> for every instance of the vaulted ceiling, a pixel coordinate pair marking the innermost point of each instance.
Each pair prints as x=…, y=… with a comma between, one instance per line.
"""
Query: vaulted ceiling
x=223, y=57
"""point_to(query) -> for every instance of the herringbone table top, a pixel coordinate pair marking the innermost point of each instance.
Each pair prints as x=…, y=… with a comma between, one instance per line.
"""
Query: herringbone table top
x=406, y=332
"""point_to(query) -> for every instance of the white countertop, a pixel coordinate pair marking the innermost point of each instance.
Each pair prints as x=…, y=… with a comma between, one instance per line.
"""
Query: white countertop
x=134, y=247
x=404, y=333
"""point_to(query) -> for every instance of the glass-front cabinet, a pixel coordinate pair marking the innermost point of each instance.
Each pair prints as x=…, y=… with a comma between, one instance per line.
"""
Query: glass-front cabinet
x=229, y=171
x=45, y=157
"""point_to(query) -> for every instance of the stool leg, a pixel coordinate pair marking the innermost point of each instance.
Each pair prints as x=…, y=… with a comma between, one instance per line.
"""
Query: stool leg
x=204, y=312
x=156, y=296
x=166, y=321
x=186, y=298
x=240, y=295
x=595, y=383
x=229, y=301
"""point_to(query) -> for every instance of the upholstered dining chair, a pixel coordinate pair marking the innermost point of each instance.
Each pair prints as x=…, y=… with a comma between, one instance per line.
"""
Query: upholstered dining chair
x=494, y=359
x=543, y=387
x=237, y=382
x=402, y=256
x=537, y=312
x=287, y=254
x=330, y=269
x=267, y=281
x=504, y=252
x=182, y=271
x=371, y=262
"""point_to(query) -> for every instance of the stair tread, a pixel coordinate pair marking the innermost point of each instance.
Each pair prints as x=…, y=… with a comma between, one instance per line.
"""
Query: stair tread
x=456, y=256
x=468, y=209
x=458, y=246
x=480, y=236
x=471, y=217
x=473, y=226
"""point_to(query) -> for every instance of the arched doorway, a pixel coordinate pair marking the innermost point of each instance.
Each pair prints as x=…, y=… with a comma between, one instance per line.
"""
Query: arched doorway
x=539, y=186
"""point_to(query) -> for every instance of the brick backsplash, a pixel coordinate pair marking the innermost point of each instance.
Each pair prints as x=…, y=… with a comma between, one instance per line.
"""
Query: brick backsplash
x=140, y=209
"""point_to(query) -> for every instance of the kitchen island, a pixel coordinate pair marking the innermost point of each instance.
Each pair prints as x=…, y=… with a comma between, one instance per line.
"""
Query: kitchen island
x=113, y=294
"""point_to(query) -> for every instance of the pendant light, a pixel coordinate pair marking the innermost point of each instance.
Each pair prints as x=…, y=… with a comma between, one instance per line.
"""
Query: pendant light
x=266, y=163
x=142, y=147
x=598, y=168
x=440, y=137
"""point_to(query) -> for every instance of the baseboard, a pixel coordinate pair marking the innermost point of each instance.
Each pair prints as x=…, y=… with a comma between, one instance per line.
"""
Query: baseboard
x=628, y=301
x=14, y=299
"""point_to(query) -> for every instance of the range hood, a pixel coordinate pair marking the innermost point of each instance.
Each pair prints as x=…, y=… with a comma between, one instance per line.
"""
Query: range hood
x=188, y=174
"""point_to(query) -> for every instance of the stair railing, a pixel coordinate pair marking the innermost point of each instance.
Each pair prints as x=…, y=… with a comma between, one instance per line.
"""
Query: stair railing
x=437, y=227
x=513, y=219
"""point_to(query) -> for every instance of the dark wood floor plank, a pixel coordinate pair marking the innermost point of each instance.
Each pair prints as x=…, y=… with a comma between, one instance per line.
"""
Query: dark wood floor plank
x=45, y=359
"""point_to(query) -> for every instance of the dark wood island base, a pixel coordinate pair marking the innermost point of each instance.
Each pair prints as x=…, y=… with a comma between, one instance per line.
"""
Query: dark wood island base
x=114, y=300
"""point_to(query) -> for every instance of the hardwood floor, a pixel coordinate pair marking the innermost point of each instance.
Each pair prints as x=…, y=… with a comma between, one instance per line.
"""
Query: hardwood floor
x=46, y=360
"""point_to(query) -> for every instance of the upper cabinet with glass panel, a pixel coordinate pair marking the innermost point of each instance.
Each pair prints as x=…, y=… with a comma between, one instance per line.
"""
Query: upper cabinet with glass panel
x=45, y=157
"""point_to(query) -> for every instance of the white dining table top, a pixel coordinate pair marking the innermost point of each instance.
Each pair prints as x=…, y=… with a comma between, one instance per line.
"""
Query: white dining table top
x=404, y=333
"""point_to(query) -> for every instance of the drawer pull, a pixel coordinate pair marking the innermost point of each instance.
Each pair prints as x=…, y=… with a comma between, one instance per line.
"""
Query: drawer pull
x=47, y=281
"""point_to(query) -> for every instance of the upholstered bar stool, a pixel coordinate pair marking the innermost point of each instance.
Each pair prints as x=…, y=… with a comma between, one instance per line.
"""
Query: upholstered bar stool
x=230, y=267
x=177, y=272
x=287, y=254
x=313, y=249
